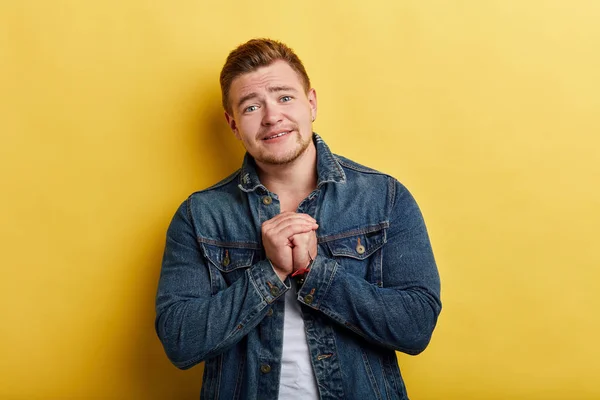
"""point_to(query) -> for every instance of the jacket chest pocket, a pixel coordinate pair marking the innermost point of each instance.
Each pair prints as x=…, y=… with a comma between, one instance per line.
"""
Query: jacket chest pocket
x=360, y=253
x=227, y=264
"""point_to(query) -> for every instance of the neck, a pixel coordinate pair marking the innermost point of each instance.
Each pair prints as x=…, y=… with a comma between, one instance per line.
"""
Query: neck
x=294, y=180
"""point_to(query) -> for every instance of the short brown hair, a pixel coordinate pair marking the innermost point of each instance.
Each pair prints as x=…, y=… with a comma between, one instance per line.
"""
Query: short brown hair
x=252, y=55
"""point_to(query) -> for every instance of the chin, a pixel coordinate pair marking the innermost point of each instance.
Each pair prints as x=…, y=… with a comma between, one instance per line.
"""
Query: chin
x=273, y=159
x=283, y=159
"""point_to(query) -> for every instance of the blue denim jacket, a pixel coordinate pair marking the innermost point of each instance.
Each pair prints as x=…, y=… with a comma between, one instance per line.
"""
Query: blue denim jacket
x=373, y=287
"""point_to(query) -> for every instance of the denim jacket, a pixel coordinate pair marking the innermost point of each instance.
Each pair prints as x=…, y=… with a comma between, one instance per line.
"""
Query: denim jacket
x=372, y=289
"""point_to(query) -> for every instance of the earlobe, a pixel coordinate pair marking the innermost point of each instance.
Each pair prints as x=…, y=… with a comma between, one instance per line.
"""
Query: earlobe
x=236, y=133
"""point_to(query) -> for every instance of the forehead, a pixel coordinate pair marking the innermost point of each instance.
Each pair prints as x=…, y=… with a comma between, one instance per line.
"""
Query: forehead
x=278, y=73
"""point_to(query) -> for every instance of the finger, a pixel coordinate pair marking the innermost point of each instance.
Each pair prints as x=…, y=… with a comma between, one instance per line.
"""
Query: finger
x=282, y=224
x=286, y=223
x=308, y=240
x=282, y=236
x=304, y=250
x=289, y=216
x=289, y=231
x=305, y=239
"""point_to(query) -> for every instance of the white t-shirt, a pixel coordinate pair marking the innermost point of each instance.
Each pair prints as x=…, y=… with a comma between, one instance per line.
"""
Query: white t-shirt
x=297, y=379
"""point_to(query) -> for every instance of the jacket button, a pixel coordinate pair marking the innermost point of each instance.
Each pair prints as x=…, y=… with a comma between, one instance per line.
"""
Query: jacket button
x=265, y=368
x=308, y=298
x=267, y=200
x=274, y=290
x=360, y=249
x=270, y=312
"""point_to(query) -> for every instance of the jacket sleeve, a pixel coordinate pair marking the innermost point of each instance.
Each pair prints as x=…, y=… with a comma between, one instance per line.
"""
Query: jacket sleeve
x=403, y=312
x=192, y=323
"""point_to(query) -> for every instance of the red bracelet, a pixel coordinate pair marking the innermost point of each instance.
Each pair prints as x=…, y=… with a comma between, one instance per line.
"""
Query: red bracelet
x=300, y=274
x=305, y=270
x=300, y=271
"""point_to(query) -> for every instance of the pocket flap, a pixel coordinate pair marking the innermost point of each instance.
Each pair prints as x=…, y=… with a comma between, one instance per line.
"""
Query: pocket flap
x=228, y=258
x=359, y=245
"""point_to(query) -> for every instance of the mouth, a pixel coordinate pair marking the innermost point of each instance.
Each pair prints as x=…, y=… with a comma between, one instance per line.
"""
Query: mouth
x=277, y=135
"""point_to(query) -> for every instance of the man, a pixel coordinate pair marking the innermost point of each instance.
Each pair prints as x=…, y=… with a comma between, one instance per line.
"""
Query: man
x=298, y=276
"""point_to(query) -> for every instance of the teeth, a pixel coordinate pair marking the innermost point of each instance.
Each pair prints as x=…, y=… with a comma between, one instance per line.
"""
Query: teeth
x=278, y=135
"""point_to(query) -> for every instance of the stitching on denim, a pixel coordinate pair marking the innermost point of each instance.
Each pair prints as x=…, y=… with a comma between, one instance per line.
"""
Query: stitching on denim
x=240, y=374
x=230, y=245
x=391, y=196
x=328, y=285
x=357, y=167
x=379, y=267
x=247, y=252
x=257, y=310
x=244, y=173
x=370, y=373
x=336, y=317
x=241, y=325
x=214, y=287
x=352, y=254
x=330, y=160
x=354, y=232
x=333, y=315
x=251, y=278
x=341, y=387
x=233, y=266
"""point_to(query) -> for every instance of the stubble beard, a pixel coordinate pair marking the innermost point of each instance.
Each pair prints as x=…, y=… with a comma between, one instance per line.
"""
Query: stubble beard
x=290, y=157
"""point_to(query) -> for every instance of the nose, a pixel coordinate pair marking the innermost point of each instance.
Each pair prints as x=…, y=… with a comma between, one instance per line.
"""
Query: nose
x=272, y=115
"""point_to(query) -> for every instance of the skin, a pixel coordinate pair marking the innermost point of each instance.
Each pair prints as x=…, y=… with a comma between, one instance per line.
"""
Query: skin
x=269, y=102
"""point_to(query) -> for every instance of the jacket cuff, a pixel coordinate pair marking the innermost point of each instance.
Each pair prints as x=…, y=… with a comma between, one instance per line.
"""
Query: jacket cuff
x=317, y=282
x=267, y=281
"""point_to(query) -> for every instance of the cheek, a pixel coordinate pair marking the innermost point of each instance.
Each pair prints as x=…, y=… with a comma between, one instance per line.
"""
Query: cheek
x=301, y=115
x=248, y=128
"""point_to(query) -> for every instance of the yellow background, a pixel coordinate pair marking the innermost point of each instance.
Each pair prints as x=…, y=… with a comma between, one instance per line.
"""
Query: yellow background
x=488, y=110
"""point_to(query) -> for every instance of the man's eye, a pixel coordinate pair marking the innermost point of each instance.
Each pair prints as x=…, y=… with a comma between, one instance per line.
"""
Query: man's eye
x=250, y=108
x=286, y=99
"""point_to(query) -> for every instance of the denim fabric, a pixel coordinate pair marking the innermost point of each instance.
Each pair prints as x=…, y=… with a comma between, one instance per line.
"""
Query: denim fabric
x=372, y=289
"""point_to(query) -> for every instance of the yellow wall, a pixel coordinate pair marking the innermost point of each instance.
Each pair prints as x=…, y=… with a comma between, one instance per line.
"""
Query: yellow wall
x=488, y=110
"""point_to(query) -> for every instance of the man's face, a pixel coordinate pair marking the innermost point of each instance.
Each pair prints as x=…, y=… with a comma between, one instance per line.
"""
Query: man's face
x=272, y=114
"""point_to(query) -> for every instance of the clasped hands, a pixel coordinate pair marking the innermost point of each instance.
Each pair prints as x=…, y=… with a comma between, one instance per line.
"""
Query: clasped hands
x=290, y=241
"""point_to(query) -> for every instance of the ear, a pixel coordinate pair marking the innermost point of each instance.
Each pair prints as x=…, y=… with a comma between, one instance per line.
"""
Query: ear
x=312, y=100
x=232, y=125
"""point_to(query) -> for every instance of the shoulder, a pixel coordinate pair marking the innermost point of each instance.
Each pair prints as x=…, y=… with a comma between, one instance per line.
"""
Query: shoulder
x=225, y=186
x=221, y=196
x=362, y=175
x=346, y=163
x=366, y=177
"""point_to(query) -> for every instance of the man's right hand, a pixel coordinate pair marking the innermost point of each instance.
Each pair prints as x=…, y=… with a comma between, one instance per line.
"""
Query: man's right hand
x=276, y=235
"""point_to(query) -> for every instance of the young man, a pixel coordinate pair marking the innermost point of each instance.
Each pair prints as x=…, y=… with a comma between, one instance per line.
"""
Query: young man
x=298, y=276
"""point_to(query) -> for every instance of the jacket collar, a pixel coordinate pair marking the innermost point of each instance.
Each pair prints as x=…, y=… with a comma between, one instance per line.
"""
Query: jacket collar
x=328, y=168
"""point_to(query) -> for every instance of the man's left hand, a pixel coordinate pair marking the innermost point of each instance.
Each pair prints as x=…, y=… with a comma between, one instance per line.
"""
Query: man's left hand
x=304, y=249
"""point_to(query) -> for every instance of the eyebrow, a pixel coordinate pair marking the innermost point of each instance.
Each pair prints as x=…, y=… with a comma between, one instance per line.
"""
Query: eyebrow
x=270, y=89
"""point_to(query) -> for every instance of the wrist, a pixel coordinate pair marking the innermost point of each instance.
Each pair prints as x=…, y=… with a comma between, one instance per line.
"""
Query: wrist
x=281, y=274
x=300, y=274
